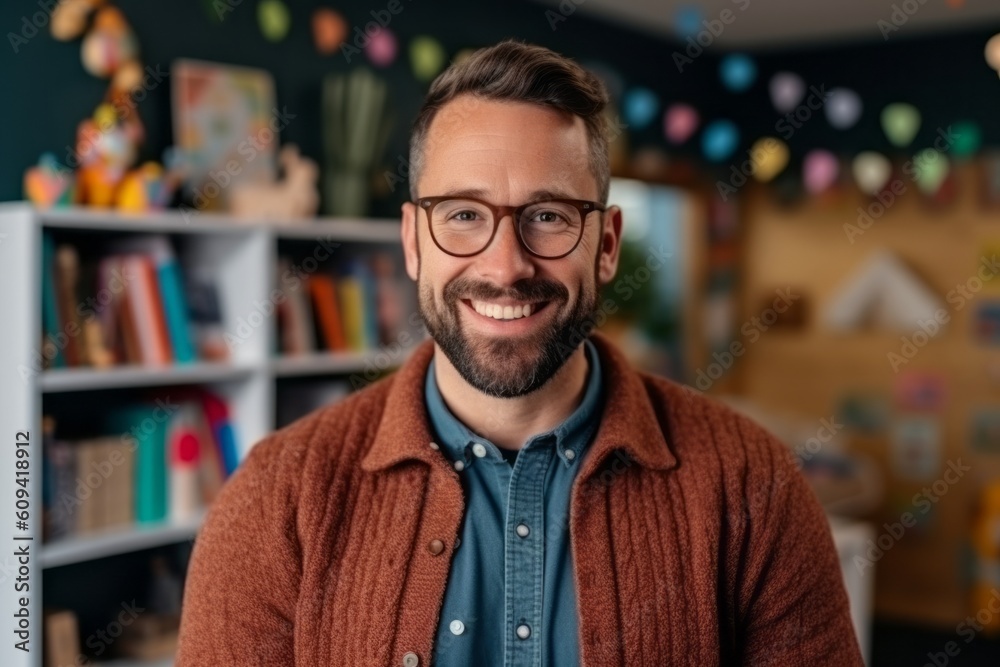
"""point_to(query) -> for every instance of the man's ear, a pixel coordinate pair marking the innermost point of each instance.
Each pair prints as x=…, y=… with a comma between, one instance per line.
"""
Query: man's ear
x=610, y=245
x=408, y=233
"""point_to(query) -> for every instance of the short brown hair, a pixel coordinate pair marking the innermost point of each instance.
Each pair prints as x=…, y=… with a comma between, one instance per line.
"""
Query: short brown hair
x=519, y=72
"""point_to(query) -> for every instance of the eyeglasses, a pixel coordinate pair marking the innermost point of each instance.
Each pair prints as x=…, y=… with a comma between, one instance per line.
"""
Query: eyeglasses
x=549, y=229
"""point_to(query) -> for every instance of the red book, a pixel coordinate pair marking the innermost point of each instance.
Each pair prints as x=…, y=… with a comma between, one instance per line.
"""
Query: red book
x=324, y=293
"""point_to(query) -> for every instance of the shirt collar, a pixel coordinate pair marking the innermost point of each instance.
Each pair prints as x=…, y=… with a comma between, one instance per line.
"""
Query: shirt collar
x=629, y=421
x=572, y=435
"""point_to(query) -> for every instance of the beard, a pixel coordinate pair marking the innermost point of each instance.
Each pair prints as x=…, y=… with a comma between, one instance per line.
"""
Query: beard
x=515, y=365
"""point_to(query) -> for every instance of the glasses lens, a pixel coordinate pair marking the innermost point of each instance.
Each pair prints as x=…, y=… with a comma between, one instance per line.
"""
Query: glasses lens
x=461, y=226
x=550, y=228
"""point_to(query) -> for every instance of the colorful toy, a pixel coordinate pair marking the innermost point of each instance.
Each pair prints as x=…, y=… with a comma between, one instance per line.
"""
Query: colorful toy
x=294, y=197
x=50, y=183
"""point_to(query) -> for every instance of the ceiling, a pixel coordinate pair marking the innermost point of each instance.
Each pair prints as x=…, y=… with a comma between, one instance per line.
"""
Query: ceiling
x=762, y=24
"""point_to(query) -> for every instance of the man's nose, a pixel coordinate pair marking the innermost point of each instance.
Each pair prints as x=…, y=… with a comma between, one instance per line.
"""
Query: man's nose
x=505, y=260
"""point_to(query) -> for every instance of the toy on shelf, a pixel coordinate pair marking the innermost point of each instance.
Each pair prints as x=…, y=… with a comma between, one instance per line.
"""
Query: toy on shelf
x=107, y=142
x=293, y=198
x=49, y=183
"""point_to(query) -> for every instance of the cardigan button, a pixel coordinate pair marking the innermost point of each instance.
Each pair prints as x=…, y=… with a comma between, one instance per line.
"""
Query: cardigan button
x=435, y=547
x=411, y=660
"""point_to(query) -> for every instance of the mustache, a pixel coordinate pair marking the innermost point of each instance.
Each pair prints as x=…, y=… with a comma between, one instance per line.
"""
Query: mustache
x=522, y=290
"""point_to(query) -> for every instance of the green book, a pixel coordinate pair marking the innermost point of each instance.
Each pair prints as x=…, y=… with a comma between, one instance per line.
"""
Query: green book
x=150, y=474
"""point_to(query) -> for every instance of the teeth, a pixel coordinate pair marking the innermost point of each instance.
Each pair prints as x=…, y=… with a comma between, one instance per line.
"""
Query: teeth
x=499, y=312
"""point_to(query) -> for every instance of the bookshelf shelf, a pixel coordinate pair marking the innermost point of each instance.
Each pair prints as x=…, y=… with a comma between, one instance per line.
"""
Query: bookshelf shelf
x=117, y=541
x=83, y=379
x=336, y=363
x=238, y=259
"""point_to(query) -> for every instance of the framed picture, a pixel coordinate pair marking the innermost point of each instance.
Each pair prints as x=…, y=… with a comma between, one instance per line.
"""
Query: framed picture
x=225, y=128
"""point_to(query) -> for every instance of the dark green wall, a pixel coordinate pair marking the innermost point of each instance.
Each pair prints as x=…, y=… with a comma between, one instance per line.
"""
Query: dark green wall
x=48, y=92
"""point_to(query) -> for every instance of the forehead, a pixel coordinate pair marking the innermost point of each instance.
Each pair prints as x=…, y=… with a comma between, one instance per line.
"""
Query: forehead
x=507, y=149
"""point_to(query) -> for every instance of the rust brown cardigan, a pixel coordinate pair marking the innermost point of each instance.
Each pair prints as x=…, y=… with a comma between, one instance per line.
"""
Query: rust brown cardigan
x=695, y=540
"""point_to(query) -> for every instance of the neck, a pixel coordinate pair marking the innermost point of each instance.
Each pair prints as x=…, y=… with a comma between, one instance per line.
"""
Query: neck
x=509, y=422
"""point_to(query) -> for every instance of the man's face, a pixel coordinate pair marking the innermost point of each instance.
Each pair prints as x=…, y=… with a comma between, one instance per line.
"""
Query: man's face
x=508, y=151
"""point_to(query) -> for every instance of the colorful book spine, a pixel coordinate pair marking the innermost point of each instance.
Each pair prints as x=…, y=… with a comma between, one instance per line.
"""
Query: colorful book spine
x=149, y=488
x=51, y=322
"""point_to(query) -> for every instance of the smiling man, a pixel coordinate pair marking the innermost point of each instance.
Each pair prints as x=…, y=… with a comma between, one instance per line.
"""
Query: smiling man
x=516, y=494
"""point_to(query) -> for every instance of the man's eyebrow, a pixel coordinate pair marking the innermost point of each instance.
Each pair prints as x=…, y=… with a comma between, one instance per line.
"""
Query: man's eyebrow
x=481, y=193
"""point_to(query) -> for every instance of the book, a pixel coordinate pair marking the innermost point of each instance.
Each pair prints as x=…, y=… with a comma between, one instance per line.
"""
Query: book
x=295, y=316
x=149, y=480
x=168, y=280
x=67, y=267
x=352, y=298
x=205, y=315
x=51, y=322
x=146, y=311
x=62, y=637
x=327, y=302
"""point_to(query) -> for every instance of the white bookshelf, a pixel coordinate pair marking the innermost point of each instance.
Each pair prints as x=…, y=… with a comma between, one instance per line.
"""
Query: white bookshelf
x=243, y=255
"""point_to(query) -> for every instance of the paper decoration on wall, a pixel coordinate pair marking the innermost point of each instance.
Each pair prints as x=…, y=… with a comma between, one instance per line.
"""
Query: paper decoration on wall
x=679, y=122
x=329, y=30
x=769, y=156
x=426, y=57
x=883, y=293
x=871, y=171
x=738, y=72
x=787, y=90
x=719, y=140
x=820, y=169
x=610, y=77
x=50, y=183
x=916, y=448
x=687, y=20
x=968, y=137
x=273, y=19
x=843, y=108
x=932, y=169
x=900, y=122
x=864, y=412
x=108, y=44
x=993, y=52
x=382, y=47
x=640, y=107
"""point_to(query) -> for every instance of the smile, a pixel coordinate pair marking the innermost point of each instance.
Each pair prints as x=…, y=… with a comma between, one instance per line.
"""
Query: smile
x=505, y=311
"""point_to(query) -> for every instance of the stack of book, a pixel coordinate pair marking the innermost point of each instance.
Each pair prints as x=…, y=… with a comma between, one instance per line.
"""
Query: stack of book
x=355, y=309
x=131, y=306
x=160, y=461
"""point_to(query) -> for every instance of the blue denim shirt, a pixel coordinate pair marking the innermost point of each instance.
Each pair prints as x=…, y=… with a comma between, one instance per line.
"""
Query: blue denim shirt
x=510, y=597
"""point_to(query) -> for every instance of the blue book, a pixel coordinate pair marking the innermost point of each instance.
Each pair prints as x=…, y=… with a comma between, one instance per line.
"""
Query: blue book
x=50, y=309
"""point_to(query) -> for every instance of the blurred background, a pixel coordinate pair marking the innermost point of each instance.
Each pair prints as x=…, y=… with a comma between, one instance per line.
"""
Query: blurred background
x=199, y=243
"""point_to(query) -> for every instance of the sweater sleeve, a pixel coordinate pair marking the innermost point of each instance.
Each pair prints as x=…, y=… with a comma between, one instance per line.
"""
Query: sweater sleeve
x=243, y=579
x=797, y=611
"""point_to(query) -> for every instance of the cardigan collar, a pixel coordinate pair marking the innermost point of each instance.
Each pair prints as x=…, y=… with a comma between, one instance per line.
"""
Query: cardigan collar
x=628, y=423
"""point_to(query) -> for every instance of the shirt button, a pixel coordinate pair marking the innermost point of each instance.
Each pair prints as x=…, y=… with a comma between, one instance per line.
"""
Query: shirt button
x=459, y=466
x=411, y=660
x=434, y=445
x=435, y=547
x=522, y=530
x=523, y=631
x=479, y=450
x=456, y=627
x=570, y=454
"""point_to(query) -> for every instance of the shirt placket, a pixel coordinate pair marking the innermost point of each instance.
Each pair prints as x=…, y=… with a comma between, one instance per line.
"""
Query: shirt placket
x=524, y=556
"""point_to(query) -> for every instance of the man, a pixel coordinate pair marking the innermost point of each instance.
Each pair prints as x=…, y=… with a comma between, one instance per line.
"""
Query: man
x=516, y=494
